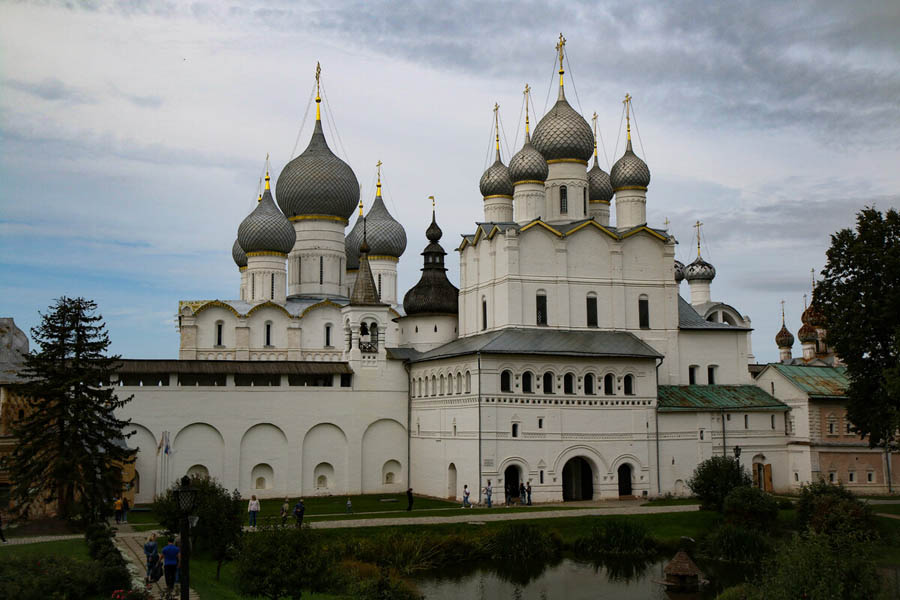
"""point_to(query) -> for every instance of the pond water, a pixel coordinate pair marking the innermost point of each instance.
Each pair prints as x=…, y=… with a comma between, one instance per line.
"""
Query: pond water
x=566, y=579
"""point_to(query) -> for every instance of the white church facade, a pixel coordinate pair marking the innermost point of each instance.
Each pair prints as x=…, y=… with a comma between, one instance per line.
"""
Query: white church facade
x=566, y=358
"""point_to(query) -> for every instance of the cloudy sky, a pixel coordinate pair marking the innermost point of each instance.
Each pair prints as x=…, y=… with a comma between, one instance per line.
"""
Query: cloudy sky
x=133, y=134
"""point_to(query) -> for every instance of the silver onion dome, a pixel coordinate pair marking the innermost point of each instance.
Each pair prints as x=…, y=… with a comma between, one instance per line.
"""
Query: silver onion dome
x=351, y=244
x=385, y=235
x=238, y=254
x=317, y=182
x=563, y=133
x=528, y=164
x=599, y=186
x=629, y=171
x=679, y=271
x=496, y=180
x=699, y=270
x=266, y=229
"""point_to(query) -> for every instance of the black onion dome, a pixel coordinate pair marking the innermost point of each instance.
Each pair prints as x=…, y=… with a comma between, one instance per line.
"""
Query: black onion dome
x=699, y=270
x=266, y=229
x=563, y=133
x=784, y=338
x=599, y=186
x=433, y=294
x=629, y=171
x=238, y=254
x=679, y=271
x=528, y=164
x=317, y=182
x=351, y=244
x=807, y=334
x=496, y=180
x=385, y=235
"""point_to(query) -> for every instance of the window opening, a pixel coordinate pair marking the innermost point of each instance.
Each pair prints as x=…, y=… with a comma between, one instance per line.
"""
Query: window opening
x=379, y=285
x=629, y=385
x=711, y=375
x=569, y=383
x=268, y=334
x=548, y=383
x=219, y=328
x=526, y=382
x=483, y=314
x=506, y=381
x=609, y=385
x=515, y=430
x=328, y=336
x=746, y=421
x=540, y=422
x=692, y=374
x=563, y=200
x=589, y=384
x=591, y=311
x=644, y=312
x=272, y=288
x=541, y=303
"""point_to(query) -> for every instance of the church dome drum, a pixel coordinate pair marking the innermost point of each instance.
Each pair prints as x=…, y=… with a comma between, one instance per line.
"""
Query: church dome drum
x=699, y=270
x=599, y=186
x=563, y=134
x=528, y=165
x=266, y=229
x=317, y=183
x=496, y=181
x=629, y=171
x=238, y=254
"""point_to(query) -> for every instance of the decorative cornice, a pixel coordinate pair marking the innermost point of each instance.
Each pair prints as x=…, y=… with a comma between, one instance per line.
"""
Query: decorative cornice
x=266, y=253
x=631, y=187
x=319, y=218
x=544, y=225
x=524, y=181
x=645, y=229
x=567, y=160
x=498, y=196
x=593, y=223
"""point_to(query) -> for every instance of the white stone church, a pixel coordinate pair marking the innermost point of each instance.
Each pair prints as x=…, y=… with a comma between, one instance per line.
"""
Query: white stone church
x=567, y=357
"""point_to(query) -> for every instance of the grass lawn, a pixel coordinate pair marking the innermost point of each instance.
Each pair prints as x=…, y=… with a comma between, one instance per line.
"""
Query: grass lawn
x=71, y=548
x=671, y=502
x=323, y=505
x=887, y=549
x=441, y=512
x=891, y=509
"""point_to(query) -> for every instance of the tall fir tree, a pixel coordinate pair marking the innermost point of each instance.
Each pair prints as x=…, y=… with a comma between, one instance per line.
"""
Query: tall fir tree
x=71, y=447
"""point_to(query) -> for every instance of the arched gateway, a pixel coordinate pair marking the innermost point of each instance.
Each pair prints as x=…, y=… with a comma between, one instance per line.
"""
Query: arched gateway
x=578, y=479
x=624, y=473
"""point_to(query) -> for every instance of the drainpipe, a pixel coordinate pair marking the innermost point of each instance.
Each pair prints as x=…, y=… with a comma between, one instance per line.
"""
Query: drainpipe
x=724, y=449
x=656, y=415
x=887, y=456
x=408, y=368
x=479, y=428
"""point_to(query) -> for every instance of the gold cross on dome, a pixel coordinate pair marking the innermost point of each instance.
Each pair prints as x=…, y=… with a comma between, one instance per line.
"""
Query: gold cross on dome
x=782, y=312
x=666, y=223
x=378, y=166
x=697, y=226
x=432, y=201
x=560, y=45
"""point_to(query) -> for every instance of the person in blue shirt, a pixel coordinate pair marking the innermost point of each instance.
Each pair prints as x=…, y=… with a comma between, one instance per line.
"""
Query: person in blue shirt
x=299, y=509
x=171, y=559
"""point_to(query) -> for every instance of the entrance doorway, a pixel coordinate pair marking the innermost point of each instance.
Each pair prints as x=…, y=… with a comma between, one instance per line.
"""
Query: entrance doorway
x=511, y=482
x=624, y=473
x=578, y=480
x=451, y=482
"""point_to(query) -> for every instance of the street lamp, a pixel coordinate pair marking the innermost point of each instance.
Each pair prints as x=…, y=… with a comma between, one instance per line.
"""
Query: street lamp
x=185, y=497
x=737, y=454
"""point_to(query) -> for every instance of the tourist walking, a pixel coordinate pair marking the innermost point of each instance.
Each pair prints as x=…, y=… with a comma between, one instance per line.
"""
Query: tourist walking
x=522, y=494
x=349, y=506
x=466, y=497
x=285, y=511
x=253, y=509
x=528, y=491
x=299, y=509
x=125, y=508
x=508, y=493
x=151, y=553
x=171, y=560
x=118, y=507
x=409, y=499
x=488, y=492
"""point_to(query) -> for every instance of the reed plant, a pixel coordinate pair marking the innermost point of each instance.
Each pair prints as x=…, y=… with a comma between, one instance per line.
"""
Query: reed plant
x=616, y=536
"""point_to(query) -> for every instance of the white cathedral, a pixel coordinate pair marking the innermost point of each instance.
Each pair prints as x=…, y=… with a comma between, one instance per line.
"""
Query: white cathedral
x=566, y=358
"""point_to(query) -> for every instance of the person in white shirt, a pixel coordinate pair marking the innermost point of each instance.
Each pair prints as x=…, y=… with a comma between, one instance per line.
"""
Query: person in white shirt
x=466, y=497
x=253, y=509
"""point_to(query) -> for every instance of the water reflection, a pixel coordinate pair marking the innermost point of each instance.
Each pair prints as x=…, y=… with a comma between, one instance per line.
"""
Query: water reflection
x=566, y=579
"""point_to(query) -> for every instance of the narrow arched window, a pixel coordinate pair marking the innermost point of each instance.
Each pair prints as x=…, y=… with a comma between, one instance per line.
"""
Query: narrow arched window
x=644, y=311
x=434, y=388
x=379, y=285
x=299, y=269
x=515, y=430
x=321, y=270
x=592, y=310
x=589, y=384
x=253, y=286
x=468, y=382
x=442, y=385
x=483, y=314
x=459, y=387
x=541, y=305
x=584, y=198
x=569, y=383
x=609, y=384
x=268, y=333
x=506, y=381
x=563, y=200
x=711, y=374
x=373, y=334
x=220, y=328
x=272, y=288
x=527, y=382
x=328, y=336
x=548, y=382
x=628, y=384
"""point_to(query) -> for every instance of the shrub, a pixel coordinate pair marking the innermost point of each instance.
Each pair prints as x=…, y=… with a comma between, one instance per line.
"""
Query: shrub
x=785, y=504
x=739, y=592
x=734, y=544
x=521, y=542
x=834, y=510
x=367, y=582
x=748, y=506
x=714, y=478
x=56, y=577
x=412, y=551
x=616, y=536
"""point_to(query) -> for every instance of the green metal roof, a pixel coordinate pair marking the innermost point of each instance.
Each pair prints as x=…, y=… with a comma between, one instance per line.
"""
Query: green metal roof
x=675, y=398
x=818, y=382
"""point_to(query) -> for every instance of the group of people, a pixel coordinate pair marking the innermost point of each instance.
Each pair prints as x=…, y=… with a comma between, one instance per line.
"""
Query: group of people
x=522, y=496
x=297, y=512
x=165, y=561
x=121, y=507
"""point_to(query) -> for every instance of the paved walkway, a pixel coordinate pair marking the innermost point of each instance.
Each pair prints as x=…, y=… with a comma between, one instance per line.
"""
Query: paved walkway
x=132, y=547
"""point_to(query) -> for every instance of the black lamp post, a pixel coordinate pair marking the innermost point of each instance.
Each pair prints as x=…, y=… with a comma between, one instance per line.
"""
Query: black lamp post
x=185, y=496
x=737, y=454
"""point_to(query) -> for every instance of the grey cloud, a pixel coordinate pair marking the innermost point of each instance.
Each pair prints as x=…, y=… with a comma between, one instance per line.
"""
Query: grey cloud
x=52, y=89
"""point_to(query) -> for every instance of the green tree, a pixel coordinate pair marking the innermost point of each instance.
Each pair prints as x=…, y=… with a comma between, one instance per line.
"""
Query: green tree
x=71, y=446
x=714, y=478
x=860, y=299
x=221, y=518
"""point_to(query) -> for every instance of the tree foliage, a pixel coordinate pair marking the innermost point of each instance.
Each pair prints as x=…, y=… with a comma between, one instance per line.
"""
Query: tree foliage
x=221, y=518
x=70, y=445
x=714, y=478
x=860, y=298
x=750, y=507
